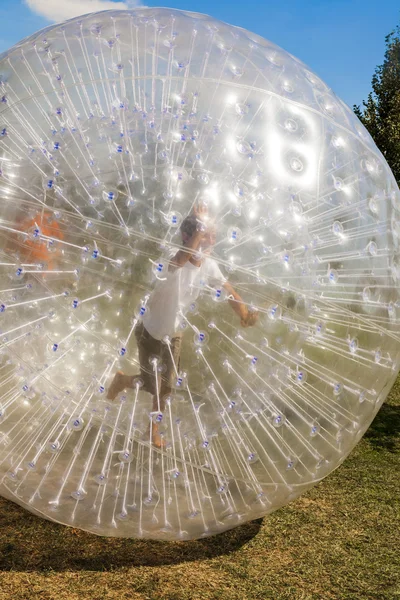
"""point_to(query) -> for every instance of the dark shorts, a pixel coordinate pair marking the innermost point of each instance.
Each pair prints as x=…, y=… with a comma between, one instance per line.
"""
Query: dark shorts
x=168, y=360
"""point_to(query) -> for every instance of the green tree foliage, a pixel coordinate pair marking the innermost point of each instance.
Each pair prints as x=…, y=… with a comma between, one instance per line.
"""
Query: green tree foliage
x=380, y=114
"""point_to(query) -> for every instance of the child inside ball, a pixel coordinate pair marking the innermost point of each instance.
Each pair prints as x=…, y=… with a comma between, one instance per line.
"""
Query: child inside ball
x=158, y=333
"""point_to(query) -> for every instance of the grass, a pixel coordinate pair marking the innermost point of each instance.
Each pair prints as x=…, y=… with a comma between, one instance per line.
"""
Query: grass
x=340, y=540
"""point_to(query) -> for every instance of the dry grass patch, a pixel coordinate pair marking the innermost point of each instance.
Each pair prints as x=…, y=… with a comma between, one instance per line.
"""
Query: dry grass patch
x=338, y=541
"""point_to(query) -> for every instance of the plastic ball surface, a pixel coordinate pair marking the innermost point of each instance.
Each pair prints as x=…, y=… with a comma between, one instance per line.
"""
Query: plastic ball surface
x=199, y=298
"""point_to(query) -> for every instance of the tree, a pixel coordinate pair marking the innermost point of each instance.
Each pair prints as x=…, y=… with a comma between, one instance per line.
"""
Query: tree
x=380, y=114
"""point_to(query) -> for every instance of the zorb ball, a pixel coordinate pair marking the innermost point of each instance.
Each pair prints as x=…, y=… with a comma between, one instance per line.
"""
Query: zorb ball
x=117, y=130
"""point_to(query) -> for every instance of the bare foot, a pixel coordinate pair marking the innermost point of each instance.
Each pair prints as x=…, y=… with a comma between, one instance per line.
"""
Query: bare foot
x=118, y=384
x=157, y=439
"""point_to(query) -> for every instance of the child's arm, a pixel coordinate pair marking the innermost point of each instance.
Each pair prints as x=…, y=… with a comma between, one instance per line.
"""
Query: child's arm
x=185, y=254
x=247, y=318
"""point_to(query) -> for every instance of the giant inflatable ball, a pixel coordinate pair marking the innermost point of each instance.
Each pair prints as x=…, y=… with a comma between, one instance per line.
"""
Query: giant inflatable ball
x=199, y=275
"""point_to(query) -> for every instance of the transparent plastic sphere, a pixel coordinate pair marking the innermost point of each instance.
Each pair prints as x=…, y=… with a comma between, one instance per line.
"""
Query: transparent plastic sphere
x=199, y=299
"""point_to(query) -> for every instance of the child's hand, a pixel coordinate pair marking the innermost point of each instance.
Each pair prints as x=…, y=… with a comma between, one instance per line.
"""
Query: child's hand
x=249, y=319
x=200, y=211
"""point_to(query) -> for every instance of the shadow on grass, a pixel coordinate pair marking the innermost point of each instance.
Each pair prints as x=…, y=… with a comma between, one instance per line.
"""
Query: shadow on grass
x=384, y=433
x=28, y=543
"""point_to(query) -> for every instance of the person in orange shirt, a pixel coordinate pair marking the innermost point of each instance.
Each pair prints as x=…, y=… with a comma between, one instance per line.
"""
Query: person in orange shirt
x=38, y=249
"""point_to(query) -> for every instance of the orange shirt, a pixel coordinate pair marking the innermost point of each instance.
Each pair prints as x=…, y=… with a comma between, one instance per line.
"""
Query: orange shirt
x=39, y=250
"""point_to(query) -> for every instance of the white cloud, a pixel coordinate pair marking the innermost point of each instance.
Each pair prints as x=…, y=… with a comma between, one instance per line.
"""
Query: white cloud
x=60, y=10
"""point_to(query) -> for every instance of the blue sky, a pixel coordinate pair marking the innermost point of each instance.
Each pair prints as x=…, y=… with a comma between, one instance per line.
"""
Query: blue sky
x=341, y=40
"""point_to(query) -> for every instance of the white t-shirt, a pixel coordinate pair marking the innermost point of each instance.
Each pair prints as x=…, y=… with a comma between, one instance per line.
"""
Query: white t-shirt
x=175, y=293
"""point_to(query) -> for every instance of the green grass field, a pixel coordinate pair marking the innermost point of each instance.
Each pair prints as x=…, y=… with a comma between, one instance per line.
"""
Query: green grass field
x=340, y=540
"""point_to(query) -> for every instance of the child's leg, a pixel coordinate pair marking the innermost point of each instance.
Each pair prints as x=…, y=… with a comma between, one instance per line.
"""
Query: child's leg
x=147, y=347
x=150, y=349
x=120, y=383
x=169, y=359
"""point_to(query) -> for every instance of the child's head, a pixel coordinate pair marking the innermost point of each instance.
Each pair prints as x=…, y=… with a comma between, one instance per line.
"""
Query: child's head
x=189, y=227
